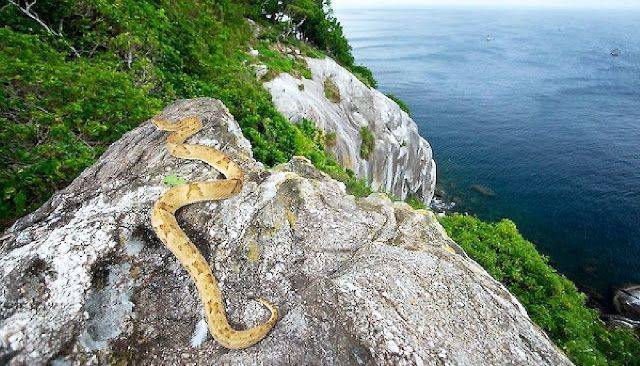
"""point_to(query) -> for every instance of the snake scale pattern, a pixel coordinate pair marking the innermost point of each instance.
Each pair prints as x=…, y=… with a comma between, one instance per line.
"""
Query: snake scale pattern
x=166, y=227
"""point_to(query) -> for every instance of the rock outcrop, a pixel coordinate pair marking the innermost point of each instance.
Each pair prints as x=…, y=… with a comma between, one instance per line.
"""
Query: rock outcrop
x=401, y=162
x=627, y=302
x=85, y=281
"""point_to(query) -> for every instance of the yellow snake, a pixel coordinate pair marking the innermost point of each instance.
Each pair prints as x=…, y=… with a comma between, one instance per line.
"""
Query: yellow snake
x=166, y=227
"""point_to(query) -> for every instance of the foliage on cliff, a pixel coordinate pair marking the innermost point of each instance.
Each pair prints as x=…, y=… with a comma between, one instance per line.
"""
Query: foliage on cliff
x=76, y=75
x=314, y=21
x=552, y=301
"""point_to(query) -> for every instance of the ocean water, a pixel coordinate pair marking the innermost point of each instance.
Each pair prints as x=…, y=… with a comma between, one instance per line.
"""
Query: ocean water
x=530, y=118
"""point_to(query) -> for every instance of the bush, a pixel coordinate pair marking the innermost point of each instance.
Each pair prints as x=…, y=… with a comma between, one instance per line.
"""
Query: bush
x=400, y=103
x=552, y=301
x=56, y=118
x=364, y=74
x=368, y=143
x=278, y=63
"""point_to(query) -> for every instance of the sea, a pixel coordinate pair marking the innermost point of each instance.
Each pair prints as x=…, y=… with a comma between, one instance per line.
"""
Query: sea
x=532, y=114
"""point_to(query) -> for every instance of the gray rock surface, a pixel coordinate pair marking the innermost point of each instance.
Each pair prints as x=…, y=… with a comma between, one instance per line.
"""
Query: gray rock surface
x=402, y=162
x=84, y=280
x=627, y=302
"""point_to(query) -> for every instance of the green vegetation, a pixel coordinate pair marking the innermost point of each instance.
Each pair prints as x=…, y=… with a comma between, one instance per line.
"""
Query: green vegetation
x=552, y=301
x=173, y=180
x=331, y=91
x=277, y=62
x=97, y=69
x=368, y=142
x=400, y=103
x=416, y=203
x=315, y=20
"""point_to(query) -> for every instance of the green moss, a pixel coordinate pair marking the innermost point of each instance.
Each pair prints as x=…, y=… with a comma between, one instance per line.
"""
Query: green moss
x=368, y=143
x=331, y=90
x=552, y=301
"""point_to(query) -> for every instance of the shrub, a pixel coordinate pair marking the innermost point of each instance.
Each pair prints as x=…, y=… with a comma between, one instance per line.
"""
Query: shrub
x=278, y=63
x=331, y=90
x=368, y=142
x=364, y=74
x=552, y=301
x=56, y=118
x=400, y=103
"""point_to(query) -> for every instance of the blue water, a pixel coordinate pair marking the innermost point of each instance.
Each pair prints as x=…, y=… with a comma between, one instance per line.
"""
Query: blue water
x=541, y=114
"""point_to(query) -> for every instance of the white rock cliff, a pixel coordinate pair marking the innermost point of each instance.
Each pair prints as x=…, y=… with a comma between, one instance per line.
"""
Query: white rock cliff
x=402, y=161
x=85, y=281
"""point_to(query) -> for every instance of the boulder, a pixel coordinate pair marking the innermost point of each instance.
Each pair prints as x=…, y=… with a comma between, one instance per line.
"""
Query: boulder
x=85, y=281
x=627, y=302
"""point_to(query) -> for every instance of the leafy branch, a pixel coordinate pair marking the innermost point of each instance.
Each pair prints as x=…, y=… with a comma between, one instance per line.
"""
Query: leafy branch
x=26, y=8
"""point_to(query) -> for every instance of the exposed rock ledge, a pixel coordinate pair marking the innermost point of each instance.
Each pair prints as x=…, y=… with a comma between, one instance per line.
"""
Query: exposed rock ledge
x=402, y=161
x=84, y=280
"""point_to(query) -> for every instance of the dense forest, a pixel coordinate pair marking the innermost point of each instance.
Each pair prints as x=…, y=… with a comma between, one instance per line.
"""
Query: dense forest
x=76, y=75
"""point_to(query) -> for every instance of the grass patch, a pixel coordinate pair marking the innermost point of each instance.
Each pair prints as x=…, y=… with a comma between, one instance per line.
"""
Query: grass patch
x=331, y=90
x=368, y=143
x=552, y=301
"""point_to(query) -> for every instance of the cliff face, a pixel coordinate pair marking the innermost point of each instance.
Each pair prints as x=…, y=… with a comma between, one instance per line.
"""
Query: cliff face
x=84, y=280
x=401, y=161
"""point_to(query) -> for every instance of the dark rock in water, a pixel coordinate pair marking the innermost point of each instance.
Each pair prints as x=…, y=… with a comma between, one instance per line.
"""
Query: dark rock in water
x=439, y=204
x=627, y=302
x=617, y=321
x=483, y=190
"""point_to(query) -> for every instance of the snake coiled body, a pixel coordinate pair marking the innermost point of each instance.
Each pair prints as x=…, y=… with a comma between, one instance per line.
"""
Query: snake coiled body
x=166, y=227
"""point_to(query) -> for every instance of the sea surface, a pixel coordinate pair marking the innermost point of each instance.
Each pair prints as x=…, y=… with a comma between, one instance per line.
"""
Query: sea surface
x=530, y=118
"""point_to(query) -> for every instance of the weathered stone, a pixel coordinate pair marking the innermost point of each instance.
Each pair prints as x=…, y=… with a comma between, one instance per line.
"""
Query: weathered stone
x=85, y=281
x=619, y=321
x=627, y=302
x=401, y=162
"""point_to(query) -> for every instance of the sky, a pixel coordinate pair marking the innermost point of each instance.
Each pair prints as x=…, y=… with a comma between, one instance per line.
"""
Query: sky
x=338, y=4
